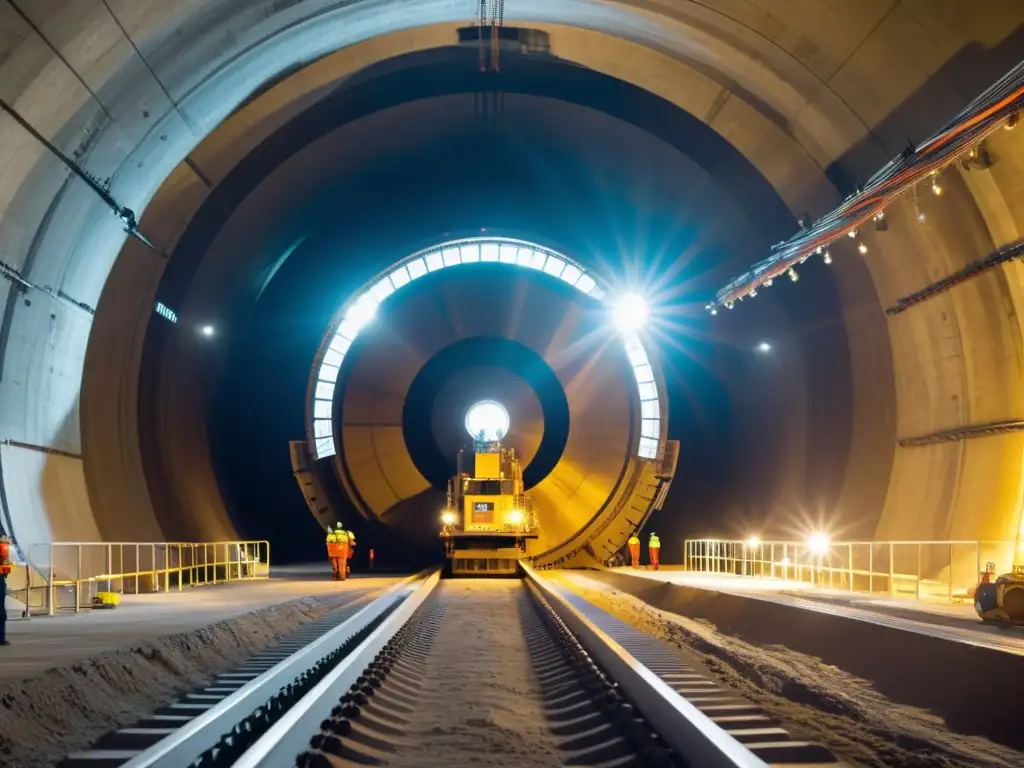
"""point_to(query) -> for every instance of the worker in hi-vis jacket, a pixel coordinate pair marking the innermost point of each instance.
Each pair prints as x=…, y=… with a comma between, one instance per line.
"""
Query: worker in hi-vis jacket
x=654, y=549
x=634, y=551
x=337, y=552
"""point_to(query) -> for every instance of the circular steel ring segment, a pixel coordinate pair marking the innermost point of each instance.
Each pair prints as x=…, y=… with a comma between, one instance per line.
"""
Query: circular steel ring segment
x=595, y=480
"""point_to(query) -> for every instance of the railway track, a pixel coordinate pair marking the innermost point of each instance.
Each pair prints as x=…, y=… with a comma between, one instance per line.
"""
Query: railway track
x=485, y=672
x=122, y=745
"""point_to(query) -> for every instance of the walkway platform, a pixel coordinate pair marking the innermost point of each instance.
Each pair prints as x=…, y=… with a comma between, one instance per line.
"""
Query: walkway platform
x=957, y=622
x=43, y=642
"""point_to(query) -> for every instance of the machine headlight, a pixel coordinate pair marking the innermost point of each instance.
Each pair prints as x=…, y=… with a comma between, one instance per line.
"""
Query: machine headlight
x=515, y=517
x=448, y=518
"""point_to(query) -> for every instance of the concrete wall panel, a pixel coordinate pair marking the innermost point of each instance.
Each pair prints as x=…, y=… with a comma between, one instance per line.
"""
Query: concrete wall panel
x=47, y=499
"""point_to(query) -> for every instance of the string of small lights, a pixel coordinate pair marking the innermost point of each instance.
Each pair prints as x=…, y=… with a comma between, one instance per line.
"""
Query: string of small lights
x=960, y=139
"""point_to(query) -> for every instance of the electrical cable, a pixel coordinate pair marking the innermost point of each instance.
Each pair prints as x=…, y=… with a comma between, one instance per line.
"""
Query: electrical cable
x=980, y=118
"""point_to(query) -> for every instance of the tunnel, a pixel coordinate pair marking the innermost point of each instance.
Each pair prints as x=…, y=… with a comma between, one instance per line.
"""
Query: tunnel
x=282, y=159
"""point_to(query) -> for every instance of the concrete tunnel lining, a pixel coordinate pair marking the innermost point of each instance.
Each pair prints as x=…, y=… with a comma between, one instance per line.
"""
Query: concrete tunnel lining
x=97, y=236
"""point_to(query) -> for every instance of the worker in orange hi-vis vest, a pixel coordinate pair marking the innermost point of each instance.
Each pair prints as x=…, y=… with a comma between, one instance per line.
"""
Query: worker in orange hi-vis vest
x=634, y=551
x=654, y=548
x=337, y=552
x=6, y=565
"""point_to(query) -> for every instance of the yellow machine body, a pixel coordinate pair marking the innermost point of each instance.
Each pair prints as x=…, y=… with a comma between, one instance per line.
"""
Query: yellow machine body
x=488, y=520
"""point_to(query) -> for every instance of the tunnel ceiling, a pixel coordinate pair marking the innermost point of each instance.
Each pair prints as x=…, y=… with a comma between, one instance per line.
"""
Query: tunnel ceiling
x=784, y=109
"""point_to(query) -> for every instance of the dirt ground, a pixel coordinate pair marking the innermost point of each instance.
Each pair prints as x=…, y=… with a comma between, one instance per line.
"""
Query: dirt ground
x=811, y=699
x=498, y=720
x=46, y=716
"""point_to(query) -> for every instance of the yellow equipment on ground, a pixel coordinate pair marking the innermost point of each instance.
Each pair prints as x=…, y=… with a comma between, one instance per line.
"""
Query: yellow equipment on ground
x=106, y=600
x=488, y=520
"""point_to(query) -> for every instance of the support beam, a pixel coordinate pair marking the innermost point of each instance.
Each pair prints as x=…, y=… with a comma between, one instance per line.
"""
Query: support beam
x=962, y=433
x=1002, y=256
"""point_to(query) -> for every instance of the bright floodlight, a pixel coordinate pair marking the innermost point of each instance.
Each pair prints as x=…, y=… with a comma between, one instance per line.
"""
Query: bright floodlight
x=764, y=346
x=631, y=312
x=207, y=331
x=818, y=543
x=488, y=418
x=448, y=518
x=362, y=312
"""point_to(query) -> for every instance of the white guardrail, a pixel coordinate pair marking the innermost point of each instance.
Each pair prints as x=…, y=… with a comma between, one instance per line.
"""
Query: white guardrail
x=66, y=575
x=937, y=571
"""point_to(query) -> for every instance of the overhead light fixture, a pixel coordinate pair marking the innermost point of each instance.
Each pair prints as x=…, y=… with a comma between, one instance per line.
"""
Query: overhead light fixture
x=764, y=347
x=1011, y=121
x=630, y=312
x=753, y=292
x=827, y=258
x=852, y=233
x=768, y=283
x=793, y=275
x=164, y=311
x=208, y=331
x=448, y=518
x=487, y=419
x=920, y=216
x=936, y=189
x=714, y=311
x=362, y=312
x=862, y=248
x=819, y=543
x=753, y=542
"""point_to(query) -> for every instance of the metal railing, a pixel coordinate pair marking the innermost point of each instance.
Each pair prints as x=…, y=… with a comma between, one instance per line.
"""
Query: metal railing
x=64, y=576
x=938, y=571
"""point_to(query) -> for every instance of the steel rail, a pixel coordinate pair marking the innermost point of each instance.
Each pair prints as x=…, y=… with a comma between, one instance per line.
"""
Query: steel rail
x=187, y=744
x=290, y=735
x=684, y=729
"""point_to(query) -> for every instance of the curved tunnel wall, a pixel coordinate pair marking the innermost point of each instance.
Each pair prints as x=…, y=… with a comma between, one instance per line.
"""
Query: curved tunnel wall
x=134, y=104
x=359, y=311
x=570, y=334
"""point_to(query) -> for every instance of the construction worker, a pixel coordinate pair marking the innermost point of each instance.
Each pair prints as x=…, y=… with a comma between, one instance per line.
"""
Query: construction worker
x=634, y=550
x=654, y=549
x=337, y=543
x=5, y=568
x=350, y=545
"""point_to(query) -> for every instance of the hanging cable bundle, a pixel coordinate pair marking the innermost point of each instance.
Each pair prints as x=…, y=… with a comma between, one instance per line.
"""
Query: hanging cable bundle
x=998, y=106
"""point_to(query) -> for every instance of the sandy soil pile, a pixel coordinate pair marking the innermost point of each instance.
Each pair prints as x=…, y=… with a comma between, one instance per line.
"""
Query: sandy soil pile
x=47, y=716
x=481, y=701
x=811, y=699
